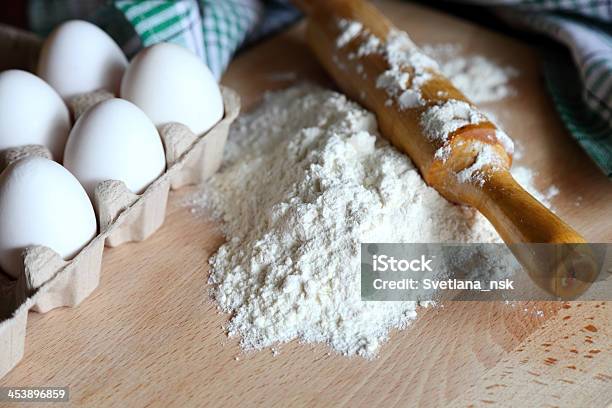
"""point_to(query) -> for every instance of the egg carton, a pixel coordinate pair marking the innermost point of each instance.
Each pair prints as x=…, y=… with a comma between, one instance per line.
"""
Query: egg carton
x=48, y=282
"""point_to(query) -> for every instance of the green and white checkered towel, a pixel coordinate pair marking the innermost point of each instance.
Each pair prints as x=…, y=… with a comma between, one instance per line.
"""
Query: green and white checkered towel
x=212, y=29
x=216, y=29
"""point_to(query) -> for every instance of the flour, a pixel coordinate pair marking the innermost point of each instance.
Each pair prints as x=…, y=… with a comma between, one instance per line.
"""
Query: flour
x=487, y=156
x=350, y=29
x=439, y=121
x=504, y=140
x=307, y=179
x=479, y=78
x=370, y=46
x=395, y=83
x=401, y=54
x=525, y=176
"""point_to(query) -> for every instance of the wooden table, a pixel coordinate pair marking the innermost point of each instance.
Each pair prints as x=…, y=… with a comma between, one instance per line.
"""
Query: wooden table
x=151, y=336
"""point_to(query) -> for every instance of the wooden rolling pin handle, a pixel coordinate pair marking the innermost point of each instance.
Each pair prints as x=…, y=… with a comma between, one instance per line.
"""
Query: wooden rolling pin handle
x=564, y=270
x=517, y=215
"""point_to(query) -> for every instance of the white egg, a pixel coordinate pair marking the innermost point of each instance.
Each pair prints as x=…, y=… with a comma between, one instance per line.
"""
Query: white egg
x=115, y=140
x=79, y=57
x=41, y=203
x=170, y=84
x=31, y=112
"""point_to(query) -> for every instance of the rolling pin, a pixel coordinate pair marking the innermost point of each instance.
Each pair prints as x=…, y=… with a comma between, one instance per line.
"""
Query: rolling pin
x=469, y=165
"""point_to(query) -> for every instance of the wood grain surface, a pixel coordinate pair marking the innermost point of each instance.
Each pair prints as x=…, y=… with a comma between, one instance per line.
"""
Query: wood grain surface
x=150, y=336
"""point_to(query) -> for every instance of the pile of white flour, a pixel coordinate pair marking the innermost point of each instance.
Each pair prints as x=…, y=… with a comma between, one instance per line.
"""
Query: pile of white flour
x=307, y=179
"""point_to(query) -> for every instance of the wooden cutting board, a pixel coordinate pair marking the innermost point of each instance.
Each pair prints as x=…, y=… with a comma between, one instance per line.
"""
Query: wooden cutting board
x=149, y=335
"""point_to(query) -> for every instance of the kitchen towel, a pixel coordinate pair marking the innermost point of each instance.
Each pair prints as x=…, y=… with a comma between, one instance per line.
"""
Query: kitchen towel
x=581, y=86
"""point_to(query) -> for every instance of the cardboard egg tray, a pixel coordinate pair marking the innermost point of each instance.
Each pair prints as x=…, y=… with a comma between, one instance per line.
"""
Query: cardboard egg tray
x=49, y=282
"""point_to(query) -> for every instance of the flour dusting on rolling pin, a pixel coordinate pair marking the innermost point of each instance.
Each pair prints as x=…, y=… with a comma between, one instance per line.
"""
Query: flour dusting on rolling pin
x=404, y=90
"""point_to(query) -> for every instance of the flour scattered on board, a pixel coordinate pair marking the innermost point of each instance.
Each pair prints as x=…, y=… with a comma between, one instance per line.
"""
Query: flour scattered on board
x=525, y=177
x=478, y=77
x=306, y=180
